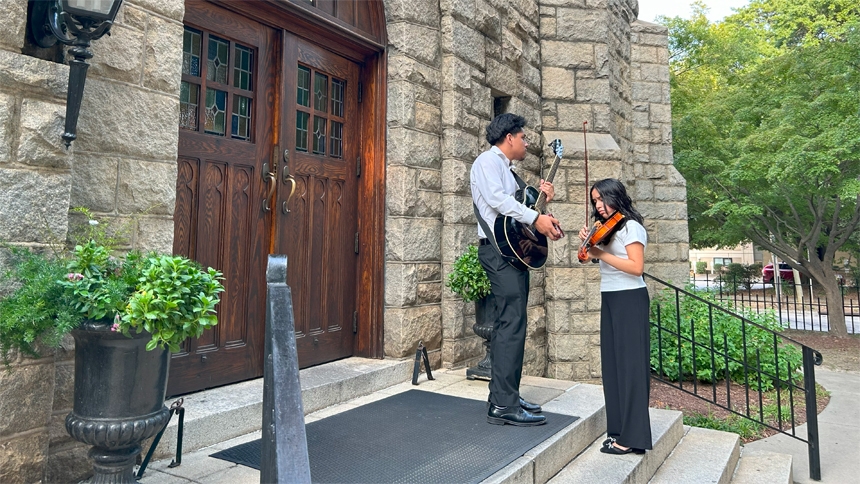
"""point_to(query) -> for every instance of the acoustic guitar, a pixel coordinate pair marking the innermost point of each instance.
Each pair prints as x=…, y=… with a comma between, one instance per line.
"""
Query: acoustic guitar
x=522, y=245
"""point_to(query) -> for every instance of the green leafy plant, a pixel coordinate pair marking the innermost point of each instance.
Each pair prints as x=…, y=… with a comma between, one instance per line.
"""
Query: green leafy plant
x=701, y=267
x=468, y=279
x=742, y=350
x=45, y=295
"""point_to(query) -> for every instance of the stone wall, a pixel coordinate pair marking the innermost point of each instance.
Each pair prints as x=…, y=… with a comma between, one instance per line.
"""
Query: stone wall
x=122, y=167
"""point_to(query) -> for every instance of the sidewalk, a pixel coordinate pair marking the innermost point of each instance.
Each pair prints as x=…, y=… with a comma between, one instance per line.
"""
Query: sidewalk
x=838, y=433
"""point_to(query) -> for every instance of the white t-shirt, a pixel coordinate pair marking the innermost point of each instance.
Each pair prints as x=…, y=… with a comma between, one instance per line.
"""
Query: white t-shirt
x=611, y=279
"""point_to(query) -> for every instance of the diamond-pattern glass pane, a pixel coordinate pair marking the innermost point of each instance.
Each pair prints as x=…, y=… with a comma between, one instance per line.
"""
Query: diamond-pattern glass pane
x=336, y=136
x=337, y=97
x=303, y=91
x=216, y=107
x=320, y=93
x=191, y=52
x=302, y=131
x=217, y=59
x=244, y=68
x=189, y=101
x=241, y=119
x=319, y=135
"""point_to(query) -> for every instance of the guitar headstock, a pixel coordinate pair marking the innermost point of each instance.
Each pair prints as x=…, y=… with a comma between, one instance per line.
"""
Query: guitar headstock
x=557, y=147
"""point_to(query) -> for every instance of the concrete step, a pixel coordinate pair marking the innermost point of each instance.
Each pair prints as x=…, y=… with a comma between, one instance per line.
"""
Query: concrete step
x=763, y=468
x=220, y=414
x=702, y=456
x=539, y=464
x=593, y=466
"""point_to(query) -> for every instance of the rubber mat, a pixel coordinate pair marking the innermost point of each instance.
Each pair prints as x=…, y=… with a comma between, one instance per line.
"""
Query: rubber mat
x=412, y=437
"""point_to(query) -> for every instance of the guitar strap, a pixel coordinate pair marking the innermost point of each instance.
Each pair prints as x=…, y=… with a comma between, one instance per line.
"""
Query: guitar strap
x=487, y=232
x=519, y=180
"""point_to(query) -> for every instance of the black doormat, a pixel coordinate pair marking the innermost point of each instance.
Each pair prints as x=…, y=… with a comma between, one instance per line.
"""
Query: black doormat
x=411, y=437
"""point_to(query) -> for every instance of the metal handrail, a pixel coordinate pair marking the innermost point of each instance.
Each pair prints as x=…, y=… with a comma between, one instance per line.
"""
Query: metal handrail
x=783, y=383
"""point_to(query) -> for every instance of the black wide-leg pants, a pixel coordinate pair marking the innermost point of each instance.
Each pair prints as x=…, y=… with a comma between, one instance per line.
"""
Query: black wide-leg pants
x=510, y=288
x=625, y=351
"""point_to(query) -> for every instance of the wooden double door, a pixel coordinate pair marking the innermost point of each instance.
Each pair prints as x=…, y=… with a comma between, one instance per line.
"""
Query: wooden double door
x=267, y=163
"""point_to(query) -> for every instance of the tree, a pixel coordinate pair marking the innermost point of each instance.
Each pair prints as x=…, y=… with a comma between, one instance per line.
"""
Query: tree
x=767, y=134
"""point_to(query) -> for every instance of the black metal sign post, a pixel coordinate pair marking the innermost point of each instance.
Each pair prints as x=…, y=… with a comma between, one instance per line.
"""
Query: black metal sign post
x=284, y=455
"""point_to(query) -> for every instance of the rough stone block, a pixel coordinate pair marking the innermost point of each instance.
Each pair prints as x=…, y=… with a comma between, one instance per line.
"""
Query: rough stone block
x=571, y=116
x=155, y=233
x=501, y=77
x=33, y=206
x=132, y=17
x=413, y=239
x=64, y=386
x=564, y=283
x=40, y=140
x=416, y=41
x=578, y=24
x=558, y=83
x=428, y=117
x=7, y=109
x=455, y=239
x=456, y=74
x=22, y=458
x=69, y=465
x=14, y=24
x=413, y=148
x=26, y=398
x=457, y=176
x=401, y=284
x=94, y=182
x=119, y=56
x=24, y=72
x=403, y=68
x=422, y=12
x=429, y=293
x=109, y=123
x=460, y=144
x=405, y=327
x=146, y=186
x=163, y=61
x=592, y=90
x=462, y=41
x=172, y=9
x=647, y=92
x=458, y=210
x=430, y=180
x=571, y=55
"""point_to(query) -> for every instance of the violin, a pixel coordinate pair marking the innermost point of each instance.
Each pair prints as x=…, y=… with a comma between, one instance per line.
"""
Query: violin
x=599, y=233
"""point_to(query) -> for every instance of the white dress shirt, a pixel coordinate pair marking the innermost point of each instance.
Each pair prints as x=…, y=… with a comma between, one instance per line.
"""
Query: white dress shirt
x=493, y=188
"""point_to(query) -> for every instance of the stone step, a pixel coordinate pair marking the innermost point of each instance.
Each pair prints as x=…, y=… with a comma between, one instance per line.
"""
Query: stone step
x=220, y=414
x=702, y=456
x=763, y=468
x=593, y=466
x=539, y=464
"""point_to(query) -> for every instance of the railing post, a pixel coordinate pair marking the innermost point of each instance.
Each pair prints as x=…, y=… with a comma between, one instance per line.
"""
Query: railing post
x=284, y=454
x=811, y=414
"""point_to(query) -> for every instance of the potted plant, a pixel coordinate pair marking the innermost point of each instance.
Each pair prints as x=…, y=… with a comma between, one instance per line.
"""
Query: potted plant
x=469, y=281
x=125, y=314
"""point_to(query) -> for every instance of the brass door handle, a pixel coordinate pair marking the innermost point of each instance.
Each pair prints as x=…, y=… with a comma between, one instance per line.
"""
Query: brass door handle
x=292, y=182
x=270, y=179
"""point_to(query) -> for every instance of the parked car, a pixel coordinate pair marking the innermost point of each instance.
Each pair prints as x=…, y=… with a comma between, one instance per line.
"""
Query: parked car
x=785, y=273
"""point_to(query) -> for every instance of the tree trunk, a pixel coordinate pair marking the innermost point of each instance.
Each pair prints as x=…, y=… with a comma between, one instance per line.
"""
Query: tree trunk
x=835, y=309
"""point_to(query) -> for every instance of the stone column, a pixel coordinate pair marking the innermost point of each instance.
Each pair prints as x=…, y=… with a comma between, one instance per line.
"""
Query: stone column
x=413, y=252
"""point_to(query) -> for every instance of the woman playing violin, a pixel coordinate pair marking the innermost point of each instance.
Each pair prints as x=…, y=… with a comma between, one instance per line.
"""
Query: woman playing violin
x=624, y=327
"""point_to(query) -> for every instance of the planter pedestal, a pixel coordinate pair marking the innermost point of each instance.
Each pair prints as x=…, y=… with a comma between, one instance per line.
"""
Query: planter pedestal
x=485, y=318
x=119, y=398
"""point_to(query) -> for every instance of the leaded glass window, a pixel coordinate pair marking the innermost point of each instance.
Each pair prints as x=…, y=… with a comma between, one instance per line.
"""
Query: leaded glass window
x=217, y=60
x=216, y=107
x=241, y=128
x=302, y=131
x=319, y=135
x=337, y=97
x=189, y=103
x=243, y=69
x=303, y=94
x=191, y=52
x=320, y=112
x=336, y=136
x=320, y=92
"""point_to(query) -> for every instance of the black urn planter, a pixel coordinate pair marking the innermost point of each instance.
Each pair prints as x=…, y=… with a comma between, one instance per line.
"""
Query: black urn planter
x=485, y=318
x=119, y=397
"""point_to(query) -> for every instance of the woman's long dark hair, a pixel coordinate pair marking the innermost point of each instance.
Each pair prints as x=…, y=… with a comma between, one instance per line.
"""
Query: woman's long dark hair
x=615, y=195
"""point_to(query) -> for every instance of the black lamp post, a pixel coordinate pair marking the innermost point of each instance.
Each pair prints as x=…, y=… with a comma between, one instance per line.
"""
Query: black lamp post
x=85, y=20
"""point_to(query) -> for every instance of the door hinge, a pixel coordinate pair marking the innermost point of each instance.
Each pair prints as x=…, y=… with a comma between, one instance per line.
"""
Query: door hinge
x=360, y=86
x=355, y=322
x=356, y=242
x=358, y=167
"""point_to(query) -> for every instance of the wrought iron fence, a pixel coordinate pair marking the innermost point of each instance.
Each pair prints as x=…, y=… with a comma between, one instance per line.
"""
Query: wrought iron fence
x=796, y=306
x=698, y=347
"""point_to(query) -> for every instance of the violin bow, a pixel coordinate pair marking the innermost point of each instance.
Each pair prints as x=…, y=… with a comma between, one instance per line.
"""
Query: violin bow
x=585, y=150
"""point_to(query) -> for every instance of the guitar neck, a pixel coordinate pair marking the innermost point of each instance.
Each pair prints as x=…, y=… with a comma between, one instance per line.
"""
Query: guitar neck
x=540, y=204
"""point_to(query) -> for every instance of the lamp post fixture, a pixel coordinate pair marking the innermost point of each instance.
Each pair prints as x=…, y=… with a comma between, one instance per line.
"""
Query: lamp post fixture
x=85, y=20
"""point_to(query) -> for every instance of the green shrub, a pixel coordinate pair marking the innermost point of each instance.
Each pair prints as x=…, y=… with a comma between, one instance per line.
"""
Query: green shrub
x=738, y=275
x=701, y=267
x=695, y=315
x=468, y=279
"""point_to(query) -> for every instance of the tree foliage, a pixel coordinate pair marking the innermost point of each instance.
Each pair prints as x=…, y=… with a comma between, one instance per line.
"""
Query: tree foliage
x=766, y=122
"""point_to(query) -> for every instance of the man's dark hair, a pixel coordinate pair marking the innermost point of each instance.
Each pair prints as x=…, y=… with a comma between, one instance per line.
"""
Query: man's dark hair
x=503, y=125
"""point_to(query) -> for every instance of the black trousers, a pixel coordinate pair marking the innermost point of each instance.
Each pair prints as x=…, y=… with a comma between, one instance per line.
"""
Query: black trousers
x=625, y=351
x=511, y=293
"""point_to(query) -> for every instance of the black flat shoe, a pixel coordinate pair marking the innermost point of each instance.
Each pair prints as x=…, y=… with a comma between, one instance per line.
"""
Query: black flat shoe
x=530, y=407
x=514, y=415
x=608, y=441
x=611, y=449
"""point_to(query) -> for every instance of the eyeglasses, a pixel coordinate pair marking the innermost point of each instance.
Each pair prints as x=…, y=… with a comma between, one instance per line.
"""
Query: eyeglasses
x=524, y=138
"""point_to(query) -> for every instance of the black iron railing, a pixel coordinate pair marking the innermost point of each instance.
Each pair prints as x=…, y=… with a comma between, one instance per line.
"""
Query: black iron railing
x=796, y=306
x=694, y=340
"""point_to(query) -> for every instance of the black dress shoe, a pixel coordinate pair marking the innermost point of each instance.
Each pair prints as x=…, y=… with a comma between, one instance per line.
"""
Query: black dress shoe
x=611, y=449
x=514, y=415
x=530, y=407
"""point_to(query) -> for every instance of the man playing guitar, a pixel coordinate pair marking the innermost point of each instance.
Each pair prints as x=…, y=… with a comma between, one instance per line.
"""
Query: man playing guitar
x=493, y=189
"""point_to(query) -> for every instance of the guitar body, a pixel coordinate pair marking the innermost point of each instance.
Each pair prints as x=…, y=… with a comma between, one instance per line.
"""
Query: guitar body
x=523, y=246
